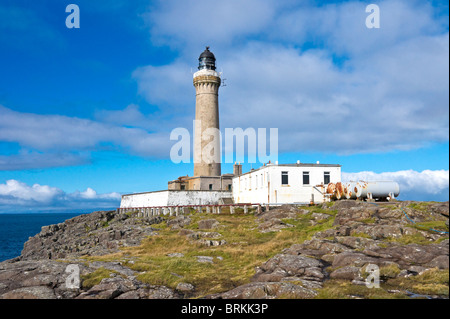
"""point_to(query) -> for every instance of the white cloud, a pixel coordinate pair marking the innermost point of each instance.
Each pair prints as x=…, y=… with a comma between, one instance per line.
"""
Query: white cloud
x=55, y=140
x=363, y=91
x=191, y=23
x=413, y=185
x=16, y=196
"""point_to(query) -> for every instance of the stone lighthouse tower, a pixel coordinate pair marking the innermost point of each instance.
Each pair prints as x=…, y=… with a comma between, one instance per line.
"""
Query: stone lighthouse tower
x=207, y=155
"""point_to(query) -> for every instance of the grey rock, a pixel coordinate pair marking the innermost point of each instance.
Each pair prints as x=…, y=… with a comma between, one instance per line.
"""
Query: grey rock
x=205, y=259
x=285, y=265
x=177, y=255
x=208, y=224
x=94, y=234
x=184, y=287
x=267, y=290
x=440, y=262
x=346, y=273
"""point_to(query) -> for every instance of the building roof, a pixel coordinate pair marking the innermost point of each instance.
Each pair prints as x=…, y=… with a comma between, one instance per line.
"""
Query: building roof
x=292, y=165
x=207, y=54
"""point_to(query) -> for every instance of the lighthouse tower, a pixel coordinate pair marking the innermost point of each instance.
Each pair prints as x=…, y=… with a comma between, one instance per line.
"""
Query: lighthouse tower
x=206, y=137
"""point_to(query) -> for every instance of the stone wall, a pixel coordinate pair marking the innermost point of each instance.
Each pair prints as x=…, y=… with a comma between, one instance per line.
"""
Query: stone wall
x=173, y=198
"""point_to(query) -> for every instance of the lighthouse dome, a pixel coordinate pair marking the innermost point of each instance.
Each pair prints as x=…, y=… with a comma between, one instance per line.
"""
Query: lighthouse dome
x=207, y=60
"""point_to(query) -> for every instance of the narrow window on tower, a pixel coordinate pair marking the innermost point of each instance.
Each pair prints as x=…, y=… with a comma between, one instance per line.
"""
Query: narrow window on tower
x=326, y=178
x=284, y=178
x=305, y=178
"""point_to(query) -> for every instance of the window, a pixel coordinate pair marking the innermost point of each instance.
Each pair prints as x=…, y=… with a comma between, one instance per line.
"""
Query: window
x=229, y=187
x=326, y=178
x=183, y=187
x=284, y=178
x=210, y=187
x=305, y=178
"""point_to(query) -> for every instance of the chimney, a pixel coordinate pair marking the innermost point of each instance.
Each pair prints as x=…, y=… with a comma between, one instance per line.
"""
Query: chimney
x=237, y=169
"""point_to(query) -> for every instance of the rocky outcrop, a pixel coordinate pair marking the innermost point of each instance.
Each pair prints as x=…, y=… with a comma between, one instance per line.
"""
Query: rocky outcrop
x=361, y=234
x=94, y=234
x=267, y=290
x=47, y=279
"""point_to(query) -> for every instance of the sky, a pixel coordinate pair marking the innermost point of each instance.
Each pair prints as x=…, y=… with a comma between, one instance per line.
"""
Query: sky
x=86, y=113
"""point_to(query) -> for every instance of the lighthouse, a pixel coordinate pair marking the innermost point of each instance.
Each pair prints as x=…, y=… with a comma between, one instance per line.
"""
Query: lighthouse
x=207, y=154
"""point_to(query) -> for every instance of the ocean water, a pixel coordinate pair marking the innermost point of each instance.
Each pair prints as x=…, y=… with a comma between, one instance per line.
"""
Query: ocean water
x=15, y=229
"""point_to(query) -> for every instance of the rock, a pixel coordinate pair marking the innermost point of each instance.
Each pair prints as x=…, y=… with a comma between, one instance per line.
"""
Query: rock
x=46, y=279
x=358, y=213
x=209, y=243
x=346, y=273
x=267, y=290
x=356, y=242
x=109, y=288
x=440, y=262
x=36, y=292
x=352, y=259
x=208, y=224
x=285, y=265
x=179, y=222
x=176, y=255
x=273, y=224
x=414, y=253
x=36, y=279
x=416, y=270
x=185, y=287
x=97, y=233
x=320, y=216
x=205, y=259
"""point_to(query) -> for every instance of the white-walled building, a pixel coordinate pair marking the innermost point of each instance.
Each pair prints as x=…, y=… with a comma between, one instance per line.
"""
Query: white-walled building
x=284, y=183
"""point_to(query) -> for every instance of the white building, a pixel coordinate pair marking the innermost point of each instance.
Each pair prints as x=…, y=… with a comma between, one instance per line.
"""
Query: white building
x=285, y=183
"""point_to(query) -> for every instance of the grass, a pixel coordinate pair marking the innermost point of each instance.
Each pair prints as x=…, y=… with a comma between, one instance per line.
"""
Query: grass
x=341, y=289
x=361, y=235
x=421, y=206
x=431, y=282
x=90, y=280
x=437, y=225
x=246, y=249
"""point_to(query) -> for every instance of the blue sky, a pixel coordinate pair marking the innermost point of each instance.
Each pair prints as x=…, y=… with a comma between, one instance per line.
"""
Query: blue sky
x=85, y=114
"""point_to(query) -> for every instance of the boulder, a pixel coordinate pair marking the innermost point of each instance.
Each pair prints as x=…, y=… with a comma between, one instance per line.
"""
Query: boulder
x=346, y=273
x=208, y=224
x=267, y=290
x=286, y=265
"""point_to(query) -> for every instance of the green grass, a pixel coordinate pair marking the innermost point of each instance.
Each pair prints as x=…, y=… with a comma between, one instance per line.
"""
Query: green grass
x=246, y=249
x=361, y=235
x=430, y=282
x=341, y=289
x=437, y=225
x=90, y=280
x=421, y=206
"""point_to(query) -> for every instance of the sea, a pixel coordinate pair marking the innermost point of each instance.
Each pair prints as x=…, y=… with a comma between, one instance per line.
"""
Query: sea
x=15, y=229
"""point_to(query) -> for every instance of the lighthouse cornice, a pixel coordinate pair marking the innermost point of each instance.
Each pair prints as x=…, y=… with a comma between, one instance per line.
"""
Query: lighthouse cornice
x=206, y=72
